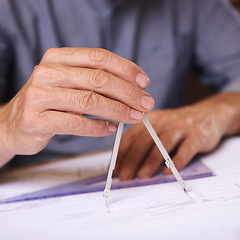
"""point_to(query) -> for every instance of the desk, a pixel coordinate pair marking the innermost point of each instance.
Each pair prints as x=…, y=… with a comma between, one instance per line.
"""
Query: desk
x=210, y=209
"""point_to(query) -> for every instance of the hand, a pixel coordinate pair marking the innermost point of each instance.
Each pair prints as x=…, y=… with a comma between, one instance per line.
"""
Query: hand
x=184, y=132
x=67, y=83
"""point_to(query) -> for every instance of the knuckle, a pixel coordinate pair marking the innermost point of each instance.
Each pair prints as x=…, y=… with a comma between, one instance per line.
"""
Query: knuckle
x=50, y=74
x=99, y=79
x=120, y=110
x=132, y=91
x=197, y=130
x=75, y=122
x=98, y=128
x=88, y=100
x=50, y=52
x=168, y=117
x=126, y=67
x=40, y=71
x=186, y=122
x=98, y=56
x=37, y=72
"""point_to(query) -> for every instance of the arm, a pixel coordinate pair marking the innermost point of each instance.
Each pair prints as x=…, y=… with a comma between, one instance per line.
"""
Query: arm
x=196, y=128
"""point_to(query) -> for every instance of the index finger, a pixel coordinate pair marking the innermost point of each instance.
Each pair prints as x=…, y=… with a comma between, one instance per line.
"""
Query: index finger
x=97, y=58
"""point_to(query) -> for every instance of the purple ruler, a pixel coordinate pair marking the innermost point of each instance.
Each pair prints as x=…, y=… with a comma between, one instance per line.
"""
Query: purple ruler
x=194, y=170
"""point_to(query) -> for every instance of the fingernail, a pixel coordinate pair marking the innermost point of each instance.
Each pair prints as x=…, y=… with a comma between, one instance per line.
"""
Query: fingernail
x=111, y=127
x=142, y=80
x=136, y=114
x=147, y=102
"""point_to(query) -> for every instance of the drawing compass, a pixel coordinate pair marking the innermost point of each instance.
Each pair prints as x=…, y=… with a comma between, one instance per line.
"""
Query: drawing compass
x=168, y=161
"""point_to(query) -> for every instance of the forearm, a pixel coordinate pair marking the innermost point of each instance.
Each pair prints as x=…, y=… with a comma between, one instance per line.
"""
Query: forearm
x=5, y=152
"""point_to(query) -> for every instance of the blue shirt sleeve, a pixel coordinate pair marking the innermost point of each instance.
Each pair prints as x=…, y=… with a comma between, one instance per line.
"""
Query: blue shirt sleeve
x=5, y=61
x=217, y=44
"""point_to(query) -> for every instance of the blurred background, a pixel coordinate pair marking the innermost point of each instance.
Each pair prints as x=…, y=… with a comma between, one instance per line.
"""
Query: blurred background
x=195, y=90
x=236, y=3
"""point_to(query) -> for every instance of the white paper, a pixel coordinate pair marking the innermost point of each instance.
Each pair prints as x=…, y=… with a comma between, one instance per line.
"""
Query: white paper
x=210, y=210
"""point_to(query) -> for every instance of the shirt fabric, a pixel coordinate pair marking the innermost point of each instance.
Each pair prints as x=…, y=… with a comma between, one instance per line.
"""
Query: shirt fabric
x=166, y=38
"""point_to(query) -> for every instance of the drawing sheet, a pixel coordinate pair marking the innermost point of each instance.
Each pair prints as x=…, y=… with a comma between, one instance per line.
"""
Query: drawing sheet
x=97, y=183
x=210, y=209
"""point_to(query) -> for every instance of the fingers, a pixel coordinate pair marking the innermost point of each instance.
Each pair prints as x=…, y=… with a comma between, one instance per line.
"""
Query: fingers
x=153, y=162
x=128, y=139
x=95, y=58
x=68, y=123
x=70, y=82
x=138, y=153
x=91, y=103
x=186, y=151
x=184, y=132
x=97, y=81
x=132, y=159
x=83, y=102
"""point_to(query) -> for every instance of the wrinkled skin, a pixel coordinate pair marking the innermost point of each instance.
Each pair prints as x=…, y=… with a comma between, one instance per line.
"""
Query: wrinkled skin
x=184, y=132
x=67, y=83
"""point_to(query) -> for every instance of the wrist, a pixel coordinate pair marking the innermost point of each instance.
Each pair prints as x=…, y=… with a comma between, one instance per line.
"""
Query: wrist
x=5, y=157
x=227, y=108
x=234, y=123
x=228, y=114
